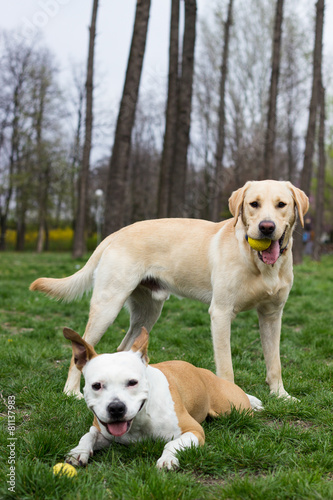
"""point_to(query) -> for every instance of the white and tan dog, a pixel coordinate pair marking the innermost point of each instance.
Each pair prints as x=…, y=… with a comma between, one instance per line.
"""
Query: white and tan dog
x=141, y=264
x=132, y=400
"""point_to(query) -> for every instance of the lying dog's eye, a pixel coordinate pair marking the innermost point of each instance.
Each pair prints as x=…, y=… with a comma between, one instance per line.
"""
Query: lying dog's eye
x=96, y=386
x=254, y=204
x=132, y=383
x=281, y=204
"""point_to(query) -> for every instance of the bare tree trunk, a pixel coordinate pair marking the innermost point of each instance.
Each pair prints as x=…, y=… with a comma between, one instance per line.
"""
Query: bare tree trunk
x=216, y=209
x=178, y=173
x=268, y=167
x=119, y=161
x=79, y=245
x=74, y=166
x=318, y=224
x=42, y=164
x=171, y=115
x=306, y=174
x=13, y=161
x=44, y=182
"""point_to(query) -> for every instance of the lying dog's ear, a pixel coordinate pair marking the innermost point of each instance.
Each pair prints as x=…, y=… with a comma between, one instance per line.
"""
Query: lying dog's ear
x=236, y=201
x=82, y=351
x=301, y=200
x=141, y=345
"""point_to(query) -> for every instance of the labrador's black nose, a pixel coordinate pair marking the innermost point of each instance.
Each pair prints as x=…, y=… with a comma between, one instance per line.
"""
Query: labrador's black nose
x=267, y=227
x=117, y=409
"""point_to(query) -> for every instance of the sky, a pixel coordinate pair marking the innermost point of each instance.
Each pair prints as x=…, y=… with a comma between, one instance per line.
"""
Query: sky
x=64, y=24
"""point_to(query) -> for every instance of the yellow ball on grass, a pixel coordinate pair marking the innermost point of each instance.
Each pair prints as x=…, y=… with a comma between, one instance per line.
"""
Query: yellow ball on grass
x=64, y=469
x=259, y=245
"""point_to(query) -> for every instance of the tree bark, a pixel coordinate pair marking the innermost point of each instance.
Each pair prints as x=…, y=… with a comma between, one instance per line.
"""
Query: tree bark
x=171, y=115
x=306, y=174
x=318, y=223
x=119, y=161
x=79, y=244
x=268, y=167
x=218, y=180
x=177, y=207
x=43, y=165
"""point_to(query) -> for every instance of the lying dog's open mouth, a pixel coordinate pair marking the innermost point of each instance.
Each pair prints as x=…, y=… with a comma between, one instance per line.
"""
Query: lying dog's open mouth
x=118, y=428
x=273, y=252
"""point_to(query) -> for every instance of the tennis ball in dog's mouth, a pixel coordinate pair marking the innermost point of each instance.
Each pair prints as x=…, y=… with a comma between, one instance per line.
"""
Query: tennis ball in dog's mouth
x=259, y=245
x=64, y=469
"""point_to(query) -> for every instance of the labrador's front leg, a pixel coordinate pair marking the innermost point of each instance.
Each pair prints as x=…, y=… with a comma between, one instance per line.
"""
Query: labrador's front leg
x=270, y=333
x=221, y=319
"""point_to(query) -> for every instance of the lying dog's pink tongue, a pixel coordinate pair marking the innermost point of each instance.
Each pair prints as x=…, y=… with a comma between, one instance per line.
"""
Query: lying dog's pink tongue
x=271, y=255
x=118, y=428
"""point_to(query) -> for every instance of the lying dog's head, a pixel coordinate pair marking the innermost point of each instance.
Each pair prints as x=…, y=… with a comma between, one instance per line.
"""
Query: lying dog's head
x=268, y=210
x=116, y=386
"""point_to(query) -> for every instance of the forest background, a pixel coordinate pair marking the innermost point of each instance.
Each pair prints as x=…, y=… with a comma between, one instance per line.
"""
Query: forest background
x=246, y=93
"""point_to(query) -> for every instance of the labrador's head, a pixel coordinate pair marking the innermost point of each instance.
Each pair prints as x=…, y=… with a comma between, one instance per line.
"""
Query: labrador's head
x=267, y=209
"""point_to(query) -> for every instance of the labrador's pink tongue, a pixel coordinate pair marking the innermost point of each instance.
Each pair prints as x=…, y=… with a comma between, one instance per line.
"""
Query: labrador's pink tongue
x=271, y=255
x=117, y=428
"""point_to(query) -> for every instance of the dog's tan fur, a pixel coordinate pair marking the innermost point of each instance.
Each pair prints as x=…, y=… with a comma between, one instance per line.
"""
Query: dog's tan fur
x=211, y=262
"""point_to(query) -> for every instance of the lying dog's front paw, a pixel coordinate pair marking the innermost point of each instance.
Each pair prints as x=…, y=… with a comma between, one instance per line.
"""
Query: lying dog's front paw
x=167, y=461
x=78, y=458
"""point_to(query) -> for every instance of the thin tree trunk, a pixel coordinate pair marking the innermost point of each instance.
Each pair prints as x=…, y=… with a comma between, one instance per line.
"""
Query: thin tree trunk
x=13, y=160
x=171, y=115
x=306, y=174
x=318, y=224
x=177, y=205
x=44, y=183
x=43, y=166
x=268, y=168
x=218, y=180
x=119, y=161
x=79, y=245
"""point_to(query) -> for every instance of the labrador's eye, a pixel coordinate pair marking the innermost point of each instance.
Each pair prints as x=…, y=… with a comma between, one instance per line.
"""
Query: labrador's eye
x=281, y=204
x=254, y=204
x=132, y=383
x=96, y=386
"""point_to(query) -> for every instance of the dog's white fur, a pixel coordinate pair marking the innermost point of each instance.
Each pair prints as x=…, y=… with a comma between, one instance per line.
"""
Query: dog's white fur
x=168, y=400
x=141, y=264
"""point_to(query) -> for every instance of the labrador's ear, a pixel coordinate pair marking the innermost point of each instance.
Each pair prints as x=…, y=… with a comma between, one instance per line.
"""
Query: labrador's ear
x=301, y=201
x=82, y=351
x=141, y=345
x=236, y=201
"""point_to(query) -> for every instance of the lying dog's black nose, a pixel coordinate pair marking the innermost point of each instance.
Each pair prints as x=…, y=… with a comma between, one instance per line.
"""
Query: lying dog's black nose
x=117, y=409
x=267, y=227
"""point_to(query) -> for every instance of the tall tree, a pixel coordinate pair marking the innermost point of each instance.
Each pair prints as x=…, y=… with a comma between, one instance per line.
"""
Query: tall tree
x=268, y=167
x=306, y=174
x=318, y=224
x=15, y=66
x=179, y=167
x=119, y=161
x=42, y=81
x=220, y=145
x=79, y=246
x=171, y=115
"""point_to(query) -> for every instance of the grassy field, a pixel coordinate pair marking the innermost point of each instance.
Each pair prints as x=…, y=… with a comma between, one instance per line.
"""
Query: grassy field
x=284, y=452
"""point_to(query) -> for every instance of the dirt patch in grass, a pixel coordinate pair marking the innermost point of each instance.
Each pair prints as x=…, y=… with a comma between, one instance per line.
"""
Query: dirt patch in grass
x=14, y=330
x=292, y=423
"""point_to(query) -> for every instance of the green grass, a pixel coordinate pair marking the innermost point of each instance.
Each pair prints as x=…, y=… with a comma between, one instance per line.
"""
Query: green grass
x=285, y=452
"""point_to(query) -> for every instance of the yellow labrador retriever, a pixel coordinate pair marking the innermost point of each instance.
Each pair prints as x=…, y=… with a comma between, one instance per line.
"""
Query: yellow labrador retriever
x=141, y=264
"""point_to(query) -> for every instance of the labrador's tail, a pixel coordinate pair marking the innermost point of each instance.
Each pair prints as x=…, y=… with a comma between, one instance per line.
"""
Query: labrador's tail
x=73, y=286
